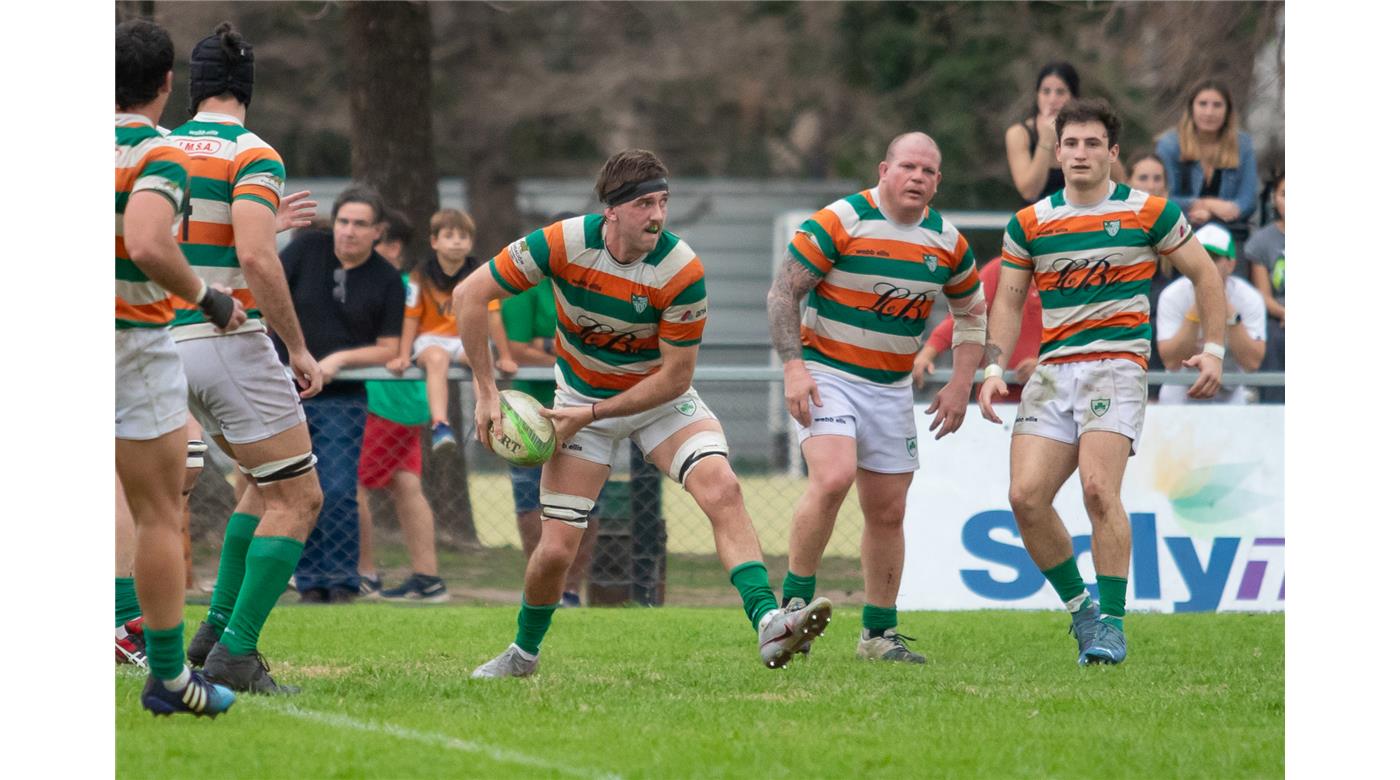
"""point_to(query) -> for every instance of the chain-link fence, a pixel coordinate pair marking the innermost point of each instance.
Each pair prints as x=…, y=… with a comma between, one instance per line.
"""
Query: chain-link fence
x=653, y=546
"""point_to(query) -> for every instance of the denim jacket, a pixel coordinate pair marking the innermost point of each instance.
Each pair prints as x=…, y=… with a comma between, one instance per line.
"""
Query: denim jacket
x=1240, y=185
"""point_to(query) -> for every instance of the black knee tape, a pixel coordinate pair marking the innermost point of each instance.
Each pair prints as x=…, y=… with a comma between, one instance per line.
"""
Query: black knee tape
x=302, y=466
x=693, y=459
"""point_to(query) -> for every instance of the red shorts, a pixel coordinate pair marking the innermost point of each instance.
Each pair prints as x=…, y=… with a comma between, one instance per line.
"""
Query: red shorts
x=388, y=447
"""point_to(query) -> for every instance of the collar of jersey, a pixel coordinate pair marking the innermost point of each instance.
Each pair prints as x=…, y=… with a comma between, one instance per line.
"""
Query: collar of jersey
x=217, y=118
x=134, y=119
x=875, y=198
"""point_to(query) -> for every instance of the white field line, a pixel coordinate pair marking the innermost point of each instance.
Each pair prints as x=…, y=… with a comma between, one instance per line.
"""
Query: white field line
x=443, y=741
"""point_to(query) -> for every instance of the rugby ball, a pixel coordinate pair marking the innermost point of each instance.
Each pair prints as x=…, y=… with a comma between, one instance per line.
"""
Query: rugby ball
x=525, y=437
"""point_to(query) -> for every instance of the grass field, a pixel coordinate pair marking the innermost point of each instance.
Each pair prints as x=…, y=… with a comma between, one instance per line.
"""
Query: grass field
x=680, y=692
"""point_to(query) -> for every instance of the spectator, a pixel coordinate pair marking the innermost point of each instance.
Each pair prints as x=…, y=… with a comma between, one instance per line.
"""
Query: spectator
x=1264, y=253
x=349, y=300
x=1149, y=174
x=429, y=328
x=530, y=321
x=1023, y=357
x=391, y=457
x=1209, y=160
x=1179, y=329
x=1030, y=143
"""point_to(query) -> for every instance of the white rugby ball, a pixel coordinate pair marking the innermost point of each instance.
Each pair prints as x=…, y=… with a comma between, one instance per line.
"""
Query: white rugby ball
x=525, y=437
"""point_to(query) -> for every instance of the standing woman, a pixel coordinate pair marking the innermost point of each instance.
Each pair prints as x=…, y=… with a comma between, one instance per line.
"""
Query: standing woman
x=1210, y=162
x=1030, y=143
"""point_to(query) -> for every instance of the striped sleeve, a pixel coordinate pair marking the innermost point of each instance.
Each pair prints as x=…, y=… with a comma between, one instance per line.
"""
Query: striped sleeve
x=522, y=264
x=258, y=176
x=964, y=280
x=815, y=245
x=1168, y=226
x=686, y=306
x=1015, y=245
x=163, y=170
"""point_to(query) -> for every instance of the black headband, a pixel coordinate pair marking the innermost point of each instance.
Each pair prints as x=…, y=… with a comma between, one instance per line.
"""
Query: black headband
x=635, y=190
x=214, y=71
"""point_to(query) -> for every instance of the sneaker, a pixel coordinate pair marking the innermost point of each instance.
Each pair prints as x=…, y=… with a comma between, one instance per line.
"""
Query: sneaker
x=419, y=587
x=1109, y=646
x=782, y=632
x=203, y=641
x=888, y=646
x=512, y=663
x=198, y=697
x=315, y=596
x=1083, y=624
x=570, y=599
x=246, y=672
x=370, y=587
x=443, y=436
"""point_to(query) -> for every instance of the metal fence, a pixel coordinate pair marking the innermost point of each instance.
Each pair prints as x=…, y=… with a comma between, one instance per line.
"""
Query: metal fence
x=654, y=545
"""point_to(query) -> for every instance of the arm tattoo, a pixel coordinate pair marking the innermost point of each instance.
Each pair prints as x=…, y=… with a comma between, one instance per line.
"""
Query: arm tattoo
x=793, y=281
x=992, y=353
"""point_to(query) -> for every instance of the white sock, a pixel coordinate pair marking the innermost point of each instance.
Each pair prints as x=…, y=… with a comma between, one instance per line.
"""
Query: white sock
x=522, y=652
x=121, y=632
x=1075, y=603
x=179, y=683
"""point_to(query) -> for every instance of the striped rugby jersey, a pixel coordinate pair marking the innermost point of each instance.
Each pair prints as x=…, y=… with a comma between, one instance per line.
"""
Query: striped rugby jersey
x=227, y=163
x=866, y=317
x=612, y=317
x=1093, y=266
x=145, y=162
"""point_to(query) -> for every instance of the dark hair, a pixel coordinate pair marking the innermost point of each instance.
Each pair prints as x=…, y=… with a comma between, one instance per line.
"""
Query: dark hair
x=1089, y=110
x=632, y=166
x=396, y=227
x=221, y=64
x=144, y=56
x=1144, y=157
x=1065, y=72
x=359, y=193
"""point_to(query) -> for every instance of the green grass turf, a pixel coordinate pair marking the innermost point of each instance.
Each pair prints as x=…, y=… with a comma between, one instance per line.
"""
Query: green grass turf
x=680, y=692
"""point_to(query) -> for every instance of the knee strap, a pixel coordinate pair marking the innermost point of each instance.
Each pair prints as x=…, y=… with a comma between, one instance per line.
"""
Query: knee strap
x=279, y=470
x=701, y=445
x=570, y=510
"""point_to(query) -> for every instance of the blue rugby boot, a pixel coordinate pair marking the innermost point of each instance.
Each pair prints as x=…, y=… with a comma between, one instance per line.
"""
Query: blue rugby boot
x=1084, y=625
x=1110, y=646
x=198, y=697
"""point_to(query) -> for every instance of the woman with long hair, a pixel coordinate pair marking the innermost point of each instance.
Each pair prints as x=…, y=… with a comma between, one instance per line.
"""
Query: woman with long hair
x=1211, y=172
x=1030, y=143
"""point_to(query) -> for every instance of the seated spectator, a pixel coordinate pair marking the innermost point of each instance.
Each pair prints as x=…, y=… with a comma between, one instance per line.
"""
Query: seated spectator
x=392, y=457
x=1209, y=161
x=1179, y=326
x=349, y=300
x=1264, y=253
x=1025, y=355
x=430, y=336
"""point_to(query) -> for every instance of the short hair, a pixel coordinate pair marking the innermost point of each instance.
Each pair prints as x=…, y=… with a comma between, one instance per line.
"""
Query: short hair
x=145, y=55
x=452, y=219
x=889, y=150
x=1089, y=110
x=360, y=193
x=396, y=227
x=632, y=166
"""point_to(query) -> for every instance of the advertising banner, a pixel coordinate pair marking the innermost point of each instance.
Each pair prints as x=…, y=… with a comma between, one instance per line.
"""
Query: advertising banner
x=1204, y=494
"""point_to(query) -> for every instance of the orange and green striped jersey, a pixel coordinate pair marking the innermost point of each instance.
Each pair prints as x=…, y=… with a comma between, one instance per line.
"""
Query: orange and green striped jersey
x=611, y=317
x=1093, y=266
x=146, y=161
x=866, y=317
x=227, y=163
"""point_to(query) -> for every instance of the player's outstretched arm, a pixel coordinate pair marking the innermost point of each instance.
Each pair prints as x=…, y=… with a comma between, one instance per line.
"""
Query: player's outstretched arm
x=793, y=282
x=469, y=301
x=1195, y=264
x=1003, y=329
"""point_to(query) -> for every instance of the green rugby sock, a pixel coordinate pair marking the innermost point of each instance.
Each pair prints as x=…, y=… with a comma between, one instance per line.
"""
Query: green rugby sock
x=531, y=624
x=1113, y=596
x=1067, y=582
x=751, y=580
x=877, y=620
x=128, y=608
x=232, y=566
x=165, y=651
x=795, y=586
x=271, y=561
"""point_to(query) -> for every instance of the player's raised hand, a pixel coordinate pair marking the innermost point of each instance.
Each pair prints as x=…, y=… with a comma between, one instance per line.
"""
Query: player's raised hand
x=992, y=389
x=569, y=420
x=296, y=210
x=488, y=412
x=800, y=392
x=950, y=406
x=1208, y=382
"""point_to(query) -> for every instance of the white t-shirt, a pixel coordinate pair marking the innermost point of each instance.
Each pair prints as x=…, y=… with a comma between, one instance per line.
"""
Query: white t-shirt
x=1172, y=305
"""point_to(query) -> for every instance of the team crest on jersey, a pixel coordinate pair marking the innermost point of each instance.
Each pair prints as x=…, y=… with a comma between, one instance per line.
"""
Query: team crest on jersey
x=686, y=407
x=639, y=302
x=1111, y=227
x=931, y=263
x=1099, y=406
x=912, y=445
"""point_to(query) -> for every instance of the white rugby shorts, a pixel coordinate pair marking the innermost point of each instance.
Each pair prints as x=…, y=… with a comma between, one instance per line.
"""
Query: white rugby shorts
x=597, y=441
x=1063, y=401
x=238, y=388
x=150, y=384
x=879, y=417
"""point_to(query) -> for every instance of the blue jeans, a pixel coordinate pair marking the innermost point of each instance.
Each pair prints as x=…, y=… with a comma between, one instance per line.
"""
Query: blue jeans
x=332, y=553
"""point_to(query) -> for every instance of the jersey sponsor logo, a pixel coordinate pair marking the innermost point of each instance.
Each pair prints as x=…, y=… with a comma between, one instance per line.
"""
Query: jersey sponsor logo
x=639, y=302
x=1112, y=226
x=600, y=335
x=691, y=314
x=517, y=253
x=1096, y=271
x=871, y=253
x=1099, y=406
x=896, y=303
x=201, y=147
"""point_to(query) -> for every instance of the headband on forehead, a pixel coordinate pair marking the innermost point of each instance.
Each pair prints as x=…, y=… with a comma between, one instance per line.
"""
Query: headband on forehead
x=635, y=190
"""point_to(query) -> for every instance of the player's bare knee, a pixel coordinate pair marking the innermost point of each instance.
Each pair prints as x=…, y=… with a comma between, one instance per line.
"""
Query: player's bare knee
x=1100, y=498
x=890, y=515
x=831, y=484
x=1027, y=504
x=719, y=488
